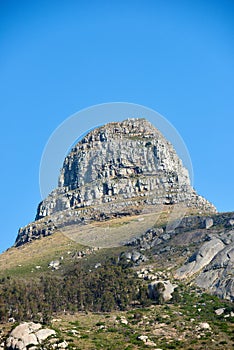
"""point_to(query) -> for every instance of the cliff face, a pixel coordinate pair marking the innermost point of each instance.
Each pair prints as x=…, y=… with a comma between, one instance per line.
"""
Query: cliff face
x=114, y=169
x=121, y=161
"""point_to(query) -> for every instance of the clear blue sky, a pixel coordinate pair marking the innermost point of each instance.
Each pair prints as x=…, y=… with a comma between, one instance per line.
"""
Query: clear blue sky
x=57, y=57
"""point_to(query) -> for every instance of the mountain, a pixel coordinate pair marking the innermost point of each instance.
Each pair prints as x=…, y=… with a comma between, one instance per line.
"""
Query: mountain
x=123, y=254
x=119, y=169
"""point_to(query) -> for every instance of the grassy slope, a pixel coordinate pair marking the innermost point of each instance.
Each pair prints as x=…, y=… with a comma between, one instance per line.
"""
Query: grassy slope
x=23, y=260
x=168, y=326
x=172, y=326
x=105, y=234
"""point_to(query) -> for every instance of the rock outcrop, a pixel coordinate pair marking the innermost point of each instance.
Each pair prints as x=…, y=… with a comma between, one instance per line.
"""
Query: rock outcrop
x=207, y=244
x=30, y=335
x=212, y=265
x=201, y=258
x=116, y=169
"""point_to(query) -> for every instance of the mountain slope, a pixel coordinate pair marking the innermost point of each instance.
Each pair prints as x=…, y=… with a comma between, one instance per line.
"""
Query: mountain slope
x=123, y=254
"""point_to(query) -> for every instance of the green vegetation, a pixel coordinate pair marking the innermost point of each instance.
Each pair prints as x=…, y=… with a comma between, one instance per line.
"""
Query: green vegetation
x=107, y=288
x=108, y=307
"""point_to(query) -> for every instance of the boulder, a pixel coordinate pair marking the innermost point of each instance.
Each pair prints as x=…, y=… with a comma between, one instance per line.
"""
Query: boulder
x=135, y=256
x=44, y=333
x=220, y=311
x=54, y=264
x=28, y=334
x=161, y=289
x=208, y=223
x=204, y=325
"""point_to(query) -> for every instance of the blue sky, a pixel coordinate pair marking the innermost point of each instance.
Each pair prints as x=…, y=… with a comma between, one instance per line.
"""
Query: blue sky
x=58, y=57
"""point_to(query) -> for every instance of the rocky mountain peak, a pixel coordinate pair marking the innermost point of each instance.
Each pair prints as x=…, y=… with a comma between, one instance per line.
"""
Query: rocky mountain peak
x=116, y=169
x=115, y=143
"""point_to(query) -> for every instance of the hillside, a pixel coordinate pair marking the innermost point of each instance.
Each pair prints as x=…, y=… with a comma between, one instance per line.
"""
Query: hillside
x=174, y=324
x=124, y=254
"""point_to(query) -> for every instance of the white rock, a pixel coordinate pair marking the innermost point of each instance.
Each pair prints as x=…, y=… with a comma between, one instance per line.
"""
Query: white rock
x=220, y=311
x=22, y=336
x=34, y=326
x=204, y=325
x=74, y=331
x=63, y=345
x=208, y=223
x=143, y=338
x=123, y=320
x=54, y=264
x=43, y=334
x=27, y=333
x=97, y=265
x=201, y=258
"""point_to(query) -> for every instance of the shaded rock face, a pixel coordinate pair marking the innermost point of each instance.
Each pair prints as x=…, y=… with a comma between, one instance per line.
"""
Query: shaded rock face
x=115, y=167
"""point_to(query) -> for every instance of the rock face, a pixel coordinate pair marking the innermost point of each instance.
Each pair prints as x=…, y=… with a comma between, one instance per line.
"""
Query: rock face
x=201, y=258
x=213, y=265
x=207, y=245
x=115, y=169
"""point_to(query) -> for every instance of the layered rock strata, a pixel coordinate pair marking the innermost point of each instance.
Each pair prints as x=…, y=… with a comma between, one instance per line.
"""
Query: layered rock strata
x=117, y=169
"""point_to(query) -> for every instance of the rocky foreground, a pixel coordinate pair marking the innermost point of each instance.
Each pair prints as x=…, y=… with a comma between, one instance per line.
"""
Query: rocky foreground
x=173, y=284
x=200, y=322
x=208, y=245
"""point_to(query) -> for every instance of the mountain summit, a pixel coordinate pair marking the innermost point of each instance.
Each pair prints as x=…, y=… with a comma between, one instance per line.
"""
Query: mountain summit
x=121, y=168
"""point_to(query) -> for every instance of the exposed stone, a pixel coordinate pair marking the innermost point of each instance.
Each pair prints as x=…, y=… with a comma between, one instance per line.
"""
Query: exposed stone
x=116, y=169
x=44, y=333
x=165, y=288
x=143, y=338
x=54, y=264
x=208, y=223
x=97, y=265
x=201, y=258
x=134, y=256
x=217, y=276
x=28, y=333
x=220, y=311
x=204, y=325
x=123, y=320
x=214, y=261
